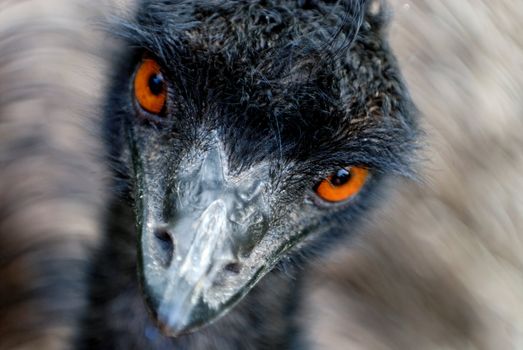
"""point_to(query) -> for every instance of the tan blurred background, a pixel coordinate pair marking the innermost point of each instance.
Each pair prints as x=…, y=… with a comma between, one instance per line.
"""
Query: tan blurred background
x=440, y=266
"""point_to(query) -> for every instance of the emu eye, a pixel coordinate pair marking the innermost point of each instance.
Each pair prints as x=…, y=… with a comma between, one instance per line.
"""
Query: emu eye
x=342, y=185
x=150, y=89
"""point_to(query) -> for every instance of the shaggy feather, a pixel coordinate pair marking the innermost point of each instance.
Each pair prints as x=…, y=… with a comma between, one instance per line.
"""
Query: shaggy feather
x=249, y=71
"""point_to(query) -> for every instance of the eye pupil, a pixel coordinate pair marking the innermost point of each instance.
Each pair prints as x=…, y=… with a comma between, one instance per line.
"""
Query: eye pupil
x=156, y=84
x=342, y=177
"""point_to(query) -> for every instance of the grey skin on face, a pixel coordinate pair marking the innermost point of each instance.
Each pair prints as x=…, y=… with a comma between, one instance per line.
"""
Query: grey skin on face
x=200, y=250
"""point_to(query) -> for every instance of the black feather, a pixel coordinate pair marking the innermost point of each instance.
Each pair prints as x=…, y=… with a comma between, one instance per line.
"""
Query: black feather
x=306, y=86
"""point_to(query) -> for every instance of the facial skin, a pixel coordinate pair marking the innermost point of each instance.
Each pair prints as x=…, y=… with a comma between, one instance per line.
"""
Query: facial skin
x=260, y=103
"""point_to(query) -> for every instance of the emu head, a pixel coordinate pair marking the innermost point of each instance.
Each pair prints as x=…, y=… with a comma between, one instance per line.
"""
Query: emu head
x=249, y=131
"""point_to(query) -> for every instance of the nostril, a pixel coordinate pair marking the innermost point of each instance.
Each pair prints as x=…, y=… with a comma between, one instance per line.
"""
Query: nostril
x=233, y=267
x=164, y=247
x=162, y=233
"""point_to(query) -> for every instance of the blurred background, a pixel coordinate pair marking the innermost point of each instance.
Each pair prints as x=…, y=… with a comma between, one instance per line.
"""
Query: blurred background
x=440, y=266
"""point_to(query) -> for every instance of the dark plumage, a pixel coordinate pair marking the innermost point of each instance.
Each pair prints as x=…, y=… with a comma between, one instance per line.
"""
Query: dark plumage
x=277, y=95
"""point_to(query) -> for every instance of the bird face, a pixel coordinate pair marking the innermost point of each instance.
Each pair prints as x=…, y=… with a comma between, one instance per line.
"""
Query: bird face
x=249, y=133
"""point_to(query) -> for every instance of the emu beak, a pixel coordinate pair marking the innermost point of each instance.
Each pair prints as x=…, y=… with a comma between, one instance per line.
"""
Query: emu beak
x=194, y=254
x=201, y=253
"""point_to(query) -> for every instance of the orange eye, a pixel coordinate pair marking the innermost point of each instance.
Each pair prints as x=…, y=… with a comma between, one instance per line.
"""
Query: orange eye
x=149, y=87
x=343, y=185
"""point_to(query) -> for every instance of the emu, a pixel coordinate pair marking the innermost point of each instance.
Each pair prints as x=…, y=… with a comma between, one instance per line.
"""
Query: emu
x=245, y=138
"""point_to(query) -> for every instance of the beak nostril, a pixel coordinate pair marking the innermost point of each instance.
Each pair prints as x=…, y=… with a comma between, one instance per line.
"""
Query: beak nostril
x=233, y=267
x=162, y=234
x=164, y=246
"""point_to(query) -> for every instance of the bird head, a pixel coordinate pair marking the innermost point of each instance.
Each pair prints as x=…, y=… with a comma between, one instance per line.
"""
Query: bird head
x=248, y=131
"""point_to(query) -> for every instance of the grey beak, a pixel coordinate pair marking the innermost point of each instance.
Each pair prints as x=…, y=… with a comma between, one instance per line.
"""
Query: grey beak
x=191, y=264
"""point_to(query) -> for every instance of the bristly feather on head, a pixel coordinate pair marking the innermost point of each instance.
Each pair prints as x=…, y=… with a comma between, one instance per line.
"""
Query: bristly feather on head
x=310, y=81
